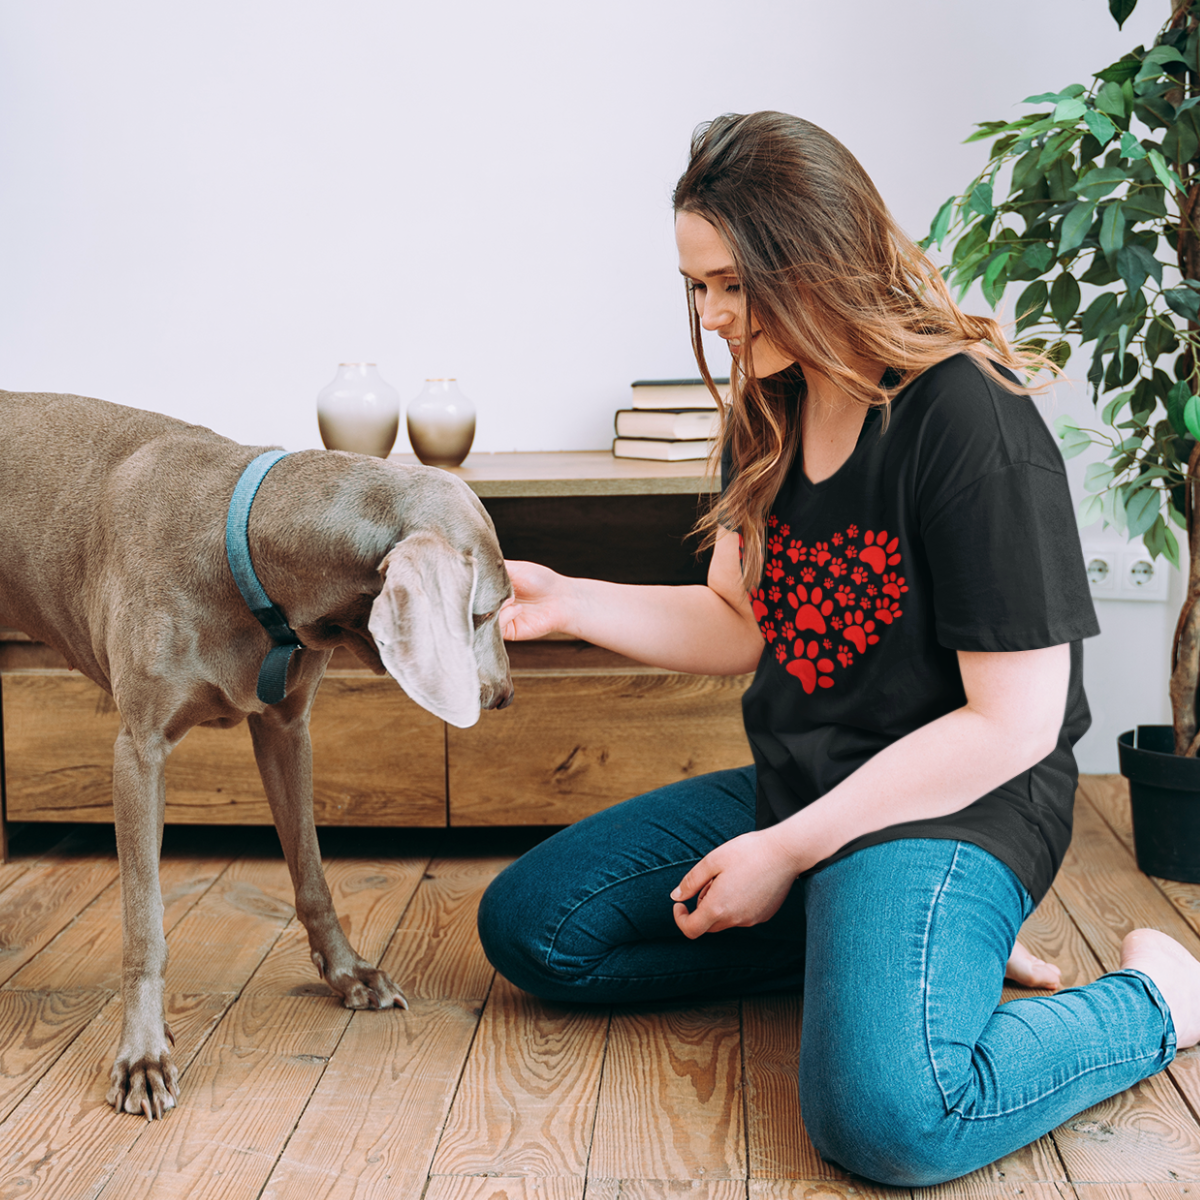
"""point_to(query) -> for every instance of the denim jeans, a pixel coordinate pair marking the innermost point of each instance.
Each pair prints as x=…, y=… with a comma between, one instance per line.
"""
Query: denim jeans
x=911, y=1071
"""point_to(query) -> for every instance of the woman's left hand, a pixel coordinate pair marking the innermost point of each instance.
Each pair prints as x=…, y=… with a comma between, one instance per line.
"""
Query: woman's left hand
x=741, y=882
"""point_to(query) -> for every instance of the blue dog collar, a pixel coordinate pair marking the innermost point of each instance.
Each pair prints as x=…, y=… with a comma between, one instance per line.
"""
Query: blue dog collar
x=272, y=676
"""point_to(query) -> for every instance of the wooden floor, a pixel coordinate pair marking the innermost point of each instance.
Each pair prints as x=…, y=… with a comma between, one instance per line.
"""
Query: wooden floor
x=478, y=1090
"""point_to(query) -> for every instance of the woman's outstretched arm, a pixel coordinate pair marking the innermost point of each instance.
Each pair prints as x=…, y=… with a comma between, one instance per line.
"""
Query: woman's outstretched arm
x=707, y=629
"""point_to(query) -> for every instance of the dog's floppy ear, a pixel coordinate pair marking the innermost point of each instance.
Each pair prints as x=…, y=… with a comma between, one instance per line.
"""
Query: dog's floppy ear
x=422, y=624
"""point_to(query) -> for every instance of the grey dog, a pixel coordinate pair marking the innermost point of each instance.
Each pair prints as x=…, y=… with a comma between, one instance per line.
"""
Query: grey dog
x=113, y=551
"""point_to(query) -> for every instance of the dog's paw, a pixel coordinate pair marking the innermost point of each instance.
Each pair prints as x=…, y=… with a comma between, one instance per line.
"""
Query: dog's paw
x=362, y=986
x=145, y=1083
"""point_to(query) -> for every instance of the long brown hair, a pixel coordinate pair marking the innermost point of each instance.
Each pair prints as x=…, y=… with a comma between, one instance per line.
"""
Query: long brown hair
x=825, y=271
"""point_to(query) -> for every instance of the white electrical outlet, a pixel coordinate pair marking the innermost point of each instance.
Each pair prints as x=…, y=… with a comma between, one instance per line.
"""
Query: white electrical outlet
x=1101, y=564
x=1141, y=577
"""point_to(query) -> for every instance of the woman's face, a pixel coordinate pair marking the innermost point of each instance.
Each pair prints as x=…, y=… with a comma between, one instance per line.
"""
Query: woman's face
x=704, y=260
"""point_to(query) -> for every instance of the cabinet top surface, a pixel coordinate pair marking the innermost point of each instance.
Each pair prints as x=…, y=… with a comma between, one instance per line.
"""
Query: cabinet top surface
x=575, y=473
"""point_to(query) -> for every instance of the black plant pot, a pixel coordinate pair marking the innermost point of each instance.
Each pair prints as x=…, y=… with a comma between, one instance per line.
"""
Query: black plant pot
x=1165, y=793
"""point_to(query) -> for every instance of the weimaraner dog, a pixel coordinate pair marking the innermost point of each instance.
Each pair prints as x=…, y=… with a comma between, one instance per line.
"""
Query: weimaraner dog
x=120, y=540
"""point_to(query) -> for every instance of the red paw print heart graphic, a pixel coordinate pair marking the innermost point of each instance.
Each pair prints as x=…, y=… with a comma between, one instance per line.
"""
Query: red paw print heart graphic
x=820, y=611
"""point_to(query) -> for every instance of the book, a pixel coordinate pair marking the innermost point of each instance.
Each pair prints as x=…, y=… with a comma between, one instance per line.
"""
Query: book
x=677, y=424
x=675, y=393
x=665, y=451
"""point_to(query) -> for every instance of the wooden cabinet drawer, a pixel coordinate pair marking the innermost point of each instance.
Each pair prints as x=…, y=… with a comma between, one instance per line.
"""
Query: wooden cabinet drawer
x=378, y=758
x=575, y=743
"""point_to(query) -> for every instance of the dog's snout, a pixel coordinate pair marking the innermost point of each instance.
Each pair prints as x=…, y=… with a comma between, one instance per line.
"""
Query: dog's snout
x=497, y=695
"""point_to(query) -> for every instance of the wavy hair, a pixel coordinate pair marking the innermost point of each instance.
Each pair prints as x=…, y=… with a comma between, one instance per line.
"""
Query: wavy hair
x=827, y=275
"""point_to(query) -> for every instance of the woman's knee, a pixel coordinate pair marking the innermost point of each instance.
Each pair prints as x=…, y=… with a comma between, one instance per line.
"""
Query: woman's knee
x=890, y=1130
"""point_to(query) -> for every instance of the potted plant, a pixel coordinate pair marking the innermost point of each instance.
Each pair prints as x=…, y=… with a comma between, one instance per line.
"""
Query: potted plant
x=1092, y=202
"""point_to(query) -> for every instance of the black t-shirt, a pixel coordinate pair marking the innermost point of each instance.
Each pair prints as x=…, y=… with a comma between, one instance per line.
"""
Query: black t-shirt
x=951, y=529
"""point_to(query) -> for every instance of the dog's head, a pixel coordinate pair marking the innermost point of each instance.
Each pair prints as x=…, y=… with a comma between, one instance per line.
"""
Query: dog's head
x=434, y=624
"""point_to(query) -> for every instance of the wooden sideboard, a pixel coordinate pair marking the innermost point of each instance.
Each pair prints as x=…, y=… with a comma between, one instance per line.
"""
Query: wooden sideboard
x=587, y=729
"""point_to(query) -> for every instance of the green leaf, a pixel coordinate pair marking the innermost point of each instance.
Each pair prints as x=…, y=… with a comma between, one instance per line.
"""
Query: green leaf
x=1057, y=146
x=1090, y=510
x=941, y=223
x=1131, y=148
x=1123, y=69
x=1112, y=230
x=1064, y=298
x=1166, y=176
x=1160, y=338
x=1184, y=301
x=994, y=279
x=1177, y=398
x=1096, y=319
x=1121, y=9
x=1156, y=61
x=1059, y=353
x=980, y=200
x=1069, y=110
x=1191, y=416
x=1141, y=510
x=1103, y=130
x=1109, y=99
x=1135, y=263
x=1037, y=257
x=1075, y=226
x=1114, y=406
x=1097, y=477
x=1068, y=93
x=1099, y=181
x=1031, y=304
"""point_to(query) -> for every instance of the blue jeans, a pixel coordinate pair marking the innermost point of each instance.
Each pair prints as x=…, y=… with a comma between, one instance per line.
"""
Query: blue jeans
x=911, y=1071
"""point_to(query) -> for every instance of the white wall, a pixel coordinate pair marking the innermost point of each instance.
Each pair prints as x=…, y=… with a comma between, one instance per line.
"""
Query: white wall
x=204, y=208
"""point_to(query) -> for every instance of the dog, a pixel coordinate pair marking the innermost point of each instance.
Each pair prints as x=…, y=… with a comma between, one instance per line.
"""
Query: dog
x=118, y=547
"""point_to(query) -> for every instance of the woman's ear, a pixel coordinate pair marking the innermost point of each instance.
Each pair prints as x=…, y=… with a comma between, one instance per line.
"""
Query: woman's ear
x=422, y=625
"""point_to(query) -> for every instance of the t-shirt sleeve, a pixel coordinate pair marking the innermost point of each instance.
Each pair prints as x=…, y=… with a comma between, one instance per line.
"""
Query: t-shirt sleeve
x=1006, y=564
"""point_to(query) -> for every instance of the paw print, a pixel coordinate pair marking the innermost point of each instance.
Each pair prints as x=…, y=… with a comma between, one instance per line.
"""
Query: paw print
x=837, y=539
x=844, y=595
x=886, y=610
x=872, y=590
x=879, y=552
x=844, y=656
x=781, y=652
x=775, y=544
x=837, y=567
x=772, y=520
x=778, y=614
x=784, y=530
x=820, y=554
x=826, y=644
x=769, y=632
x=811, y=609
x=808, y=574
x=758, y=605
x=773, y=594
x=836, y=623
x=859, y=575
x=813, y=672
x=851, y=551
x=852, y=531
x=789, y=631
x=796, y=552
x=790, y=581
x=894, y=585
x=773, y=571
x=860, y=632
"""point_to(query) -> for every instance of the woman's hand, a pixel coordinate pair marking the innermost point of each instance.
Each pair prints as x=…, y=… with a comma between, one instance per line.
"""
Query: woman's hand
x=742, y=882
x=537, y=605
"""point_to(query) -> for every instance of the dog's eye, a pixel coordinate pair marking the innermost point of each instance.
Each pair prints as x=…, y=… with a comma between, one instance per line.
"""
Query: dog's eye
x=483, y=618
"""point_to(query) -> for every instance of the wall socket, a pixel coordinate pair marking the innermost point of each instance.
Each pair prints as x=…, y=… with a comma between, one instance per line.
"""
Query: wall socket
x=1125, y=573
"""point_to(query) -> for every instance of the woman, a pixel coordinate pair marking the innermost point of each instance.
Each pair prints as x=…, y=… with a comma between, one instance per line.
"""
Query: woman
x=895, y=555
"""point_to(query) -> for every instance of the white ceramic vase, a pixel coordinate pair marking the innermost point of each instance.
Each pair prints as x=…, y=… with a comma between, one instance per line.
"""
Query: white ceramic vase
x=359, y=411
x=441, y=424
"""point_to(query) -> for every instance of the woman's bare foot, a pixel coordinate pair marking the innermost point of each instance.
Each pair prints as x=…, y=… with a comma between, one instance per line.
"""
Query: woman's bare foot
x=1027, y=971
x=1176, y=974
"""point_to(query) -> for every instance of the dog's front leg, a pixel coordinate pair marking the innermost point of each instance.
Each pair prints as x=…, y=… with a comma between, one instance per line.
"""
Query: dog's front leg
x=284, y=754
x=144, y=1078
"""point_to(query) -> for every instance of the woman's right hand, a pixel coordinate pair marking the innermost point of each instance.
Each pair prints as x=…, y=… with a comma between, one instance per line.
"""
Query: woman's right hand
x=536, y=606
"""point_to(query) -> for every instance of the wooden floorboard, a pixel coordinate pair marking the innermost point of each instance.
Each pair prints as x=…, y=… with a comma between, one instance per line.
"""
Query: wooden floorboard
x=479, y=1091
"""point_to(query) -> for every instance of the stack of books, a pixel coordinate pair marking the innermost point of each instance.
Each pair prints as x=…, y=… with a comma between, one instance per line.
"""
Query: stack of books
x=671, y=420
